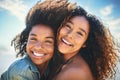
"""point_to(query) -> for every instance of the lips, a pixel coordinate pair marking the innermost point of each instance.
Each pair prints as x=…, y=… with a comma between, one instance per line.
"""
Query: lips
x=38, y=54
x=66, y=42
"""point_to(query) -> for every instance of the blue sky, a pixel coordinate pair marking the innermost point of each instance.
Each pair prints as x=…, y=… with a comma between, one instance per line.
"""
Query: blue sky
x=13, y=13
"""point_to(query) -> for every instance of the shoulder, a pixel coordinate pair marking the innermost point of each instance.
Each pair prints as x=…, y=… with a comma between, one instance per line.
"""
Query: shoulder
x=18, y=70
x=74, y=73
x=70, y=74
x=19, y=65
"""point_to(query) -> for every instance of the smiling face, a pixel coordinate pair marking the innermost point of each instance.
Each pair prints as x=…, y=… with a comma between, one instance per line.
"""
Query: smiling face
x=72, y=36
x=40, y=44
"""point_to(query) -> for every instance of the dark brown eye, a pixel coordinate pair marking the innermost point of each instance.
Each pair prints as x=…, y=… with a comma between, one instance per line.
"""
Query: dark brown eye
x=79, y=33
x=33, y=39
x=48, y=41
x=67, y=26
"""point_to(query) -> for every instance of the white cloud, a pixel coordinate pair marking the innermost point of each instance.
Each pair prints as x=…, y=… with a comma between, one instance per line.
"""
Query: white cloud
x=114, y=26
x=113, y=23
x=106, y=10
x=15, y=7
x=110, y=21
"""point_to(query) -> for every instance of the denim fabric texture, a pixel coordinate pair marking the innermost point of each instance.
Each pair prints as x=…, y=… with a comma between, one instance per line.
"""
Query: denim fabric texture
x=22, y=69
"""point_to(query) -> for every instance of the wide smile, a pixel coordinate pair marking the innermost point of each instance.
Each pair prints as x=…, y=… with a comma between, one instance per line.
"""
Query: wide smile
x=66, y=42
x=38, y=54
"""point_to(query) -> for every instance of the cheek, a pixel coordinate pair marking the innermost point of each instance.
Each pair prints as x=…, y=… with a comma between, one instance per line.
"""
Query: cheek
x=49, y=49
x=60, y=34
x=80, y=43
x=28, y=47
x=63, y=31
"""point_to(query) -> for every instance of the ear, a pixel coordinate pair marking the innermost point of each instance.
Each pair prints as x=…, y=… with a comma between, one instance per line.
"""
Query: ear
x=84, y=45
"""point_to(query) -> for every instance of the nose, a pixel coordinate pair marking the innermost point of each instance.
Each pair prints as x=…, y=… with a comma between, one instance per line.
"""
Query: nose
x=70, y=34
x=38, y=45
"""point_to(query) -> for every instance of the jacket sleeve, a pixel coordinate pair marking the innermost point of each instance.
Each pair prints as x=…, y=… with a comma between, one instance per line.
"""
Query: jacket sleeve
x=20, y=70
x=12, y=76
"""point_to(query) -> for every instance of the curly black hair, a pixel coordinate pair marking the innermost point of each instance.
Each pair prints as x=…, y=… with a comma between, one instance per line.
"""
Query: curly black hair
x=49, y=12
x=101, y=49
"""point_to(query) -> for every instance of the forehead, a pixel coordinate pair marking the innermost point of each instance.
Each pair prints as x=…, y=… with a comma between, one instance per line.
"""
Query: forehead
x=42, y=30
x=79, y=21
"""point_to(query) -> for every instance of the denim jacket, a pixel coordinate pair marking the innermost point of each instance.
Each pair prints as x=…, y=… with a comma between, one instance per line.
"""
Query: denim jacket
x=22, y=69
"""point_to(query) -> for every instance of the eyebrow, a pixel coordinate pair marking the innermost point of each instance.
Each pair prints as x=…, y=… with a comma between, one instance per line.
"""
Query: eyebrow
x=49, y=37
x=83, y=30
x=70, y=22
x=31, y=34
x=79, y=28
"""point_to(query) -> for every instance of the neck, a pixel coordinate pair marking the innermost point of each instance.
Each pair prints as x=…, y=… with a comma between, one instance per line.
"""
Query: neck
x=43, y=67
x=68, y=56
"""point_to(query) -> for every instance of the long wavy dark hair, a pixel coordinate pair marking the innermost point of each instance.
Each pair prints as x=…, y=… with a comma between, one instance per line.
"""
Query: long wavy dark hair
x=50, y=13
x=101, y=49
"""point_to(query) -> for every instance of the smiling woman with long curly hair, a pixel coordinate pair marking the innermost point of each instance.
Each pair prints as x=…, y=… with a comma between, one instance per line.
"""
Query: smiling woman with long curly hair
x=84, y=41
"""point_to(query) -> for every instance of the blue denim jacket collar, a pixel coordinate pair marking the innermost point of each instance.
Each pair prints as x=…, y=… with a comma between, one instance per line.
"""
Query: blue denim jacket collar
x=32, y=65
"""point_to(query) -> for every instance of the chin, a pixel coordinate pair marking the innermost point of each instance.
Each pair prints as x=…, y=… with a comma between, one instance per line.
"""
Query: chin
x=63, y=51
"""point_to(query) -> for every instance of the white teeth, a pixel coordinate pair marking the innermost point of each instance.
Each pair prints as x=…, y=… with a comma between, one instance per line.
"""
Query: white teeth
x=66, y=41
x=38, y=54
